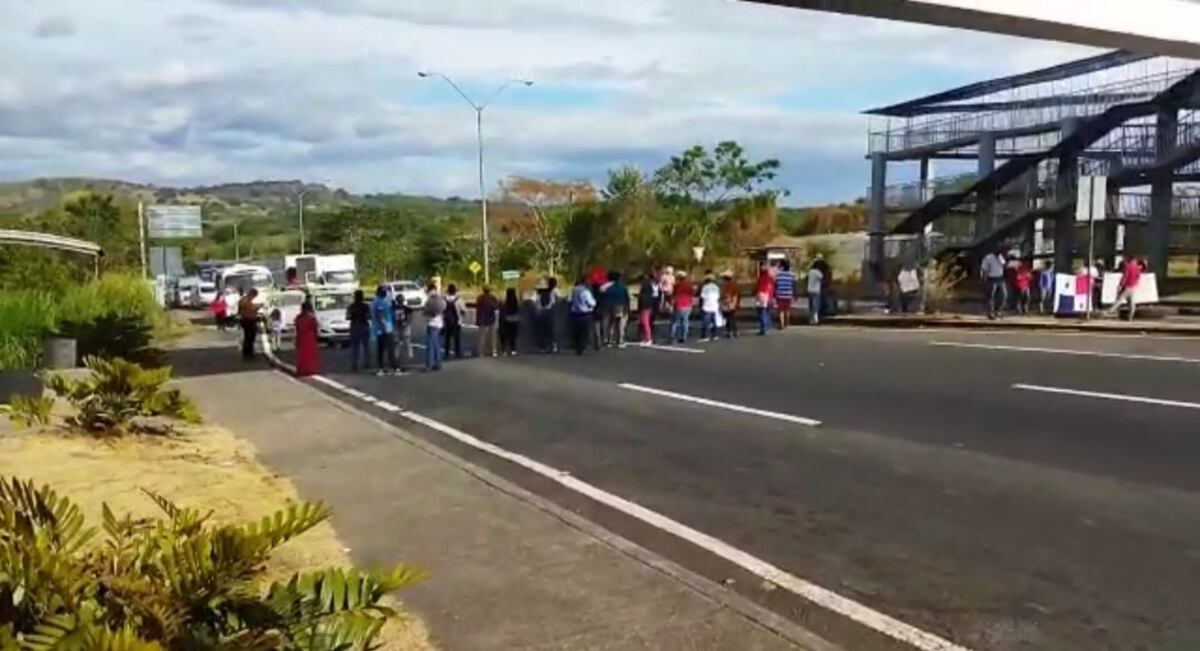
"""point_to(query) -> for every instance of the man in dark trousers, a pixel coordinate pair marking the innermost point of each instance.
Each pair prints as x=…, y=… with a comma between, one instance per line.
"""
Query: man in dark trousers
x=248, y=316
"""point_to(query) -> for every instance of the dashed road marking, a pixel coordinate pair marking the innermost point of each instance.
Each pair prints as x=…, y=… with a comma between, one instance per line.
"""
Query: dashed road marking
x=722, y=405
x=670, y=349
x=1108, y=396
x=1066, y=351
x=823, y=597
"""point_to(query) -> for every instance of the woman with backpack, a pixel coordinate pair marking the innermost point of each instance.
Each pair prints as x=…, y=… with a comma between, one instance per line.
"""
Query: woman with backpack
x=543, y=321
x=452, y=330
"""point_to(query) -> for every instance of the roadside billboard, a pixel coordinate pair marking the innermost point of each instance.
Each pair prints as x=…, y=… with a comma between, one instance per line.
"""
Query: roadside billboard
x=167, y=222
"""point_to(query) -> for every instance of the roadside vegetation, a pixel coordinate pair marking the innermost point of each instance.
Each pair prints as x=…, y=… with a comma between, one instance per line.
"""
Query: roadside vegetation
x=113, y=316
x=719, y=197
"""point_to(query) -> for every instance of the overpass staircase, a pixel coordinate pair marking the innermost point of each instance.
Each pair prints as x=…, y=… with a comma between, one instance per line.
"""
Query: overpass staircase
x=1129, y=146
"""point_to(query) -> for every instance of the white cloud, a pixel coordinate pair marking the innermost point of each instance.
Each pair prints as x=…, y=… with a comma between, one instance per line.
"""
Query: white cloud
x=219, y=90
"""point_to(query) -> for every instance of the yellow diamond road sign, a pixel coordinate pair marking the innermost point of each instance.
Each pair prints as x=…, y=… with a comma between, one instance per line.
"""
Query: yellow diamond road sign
x=475, y=267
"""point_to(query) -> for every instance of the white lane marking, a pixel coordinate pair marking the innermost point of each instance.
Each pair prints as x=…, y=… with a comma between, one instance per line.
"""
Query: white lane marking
x=722, y=405
x=1108, y=396
x=1066, y=351
x=823, y=597
x=270, y=353
x=329, y=383
x=671, y=349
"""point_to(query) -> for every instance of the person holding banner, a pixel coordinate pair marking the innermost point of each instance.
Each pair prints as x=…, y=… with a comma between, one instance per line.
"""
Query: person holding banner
x=1131, y=275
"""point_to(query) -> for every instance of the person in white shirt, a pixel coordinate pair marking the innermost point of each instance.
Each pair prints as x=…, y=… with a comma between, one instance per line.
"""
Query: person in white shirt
x=815, y=280
x=910, y=287
x=710, y=307
x=991, y=271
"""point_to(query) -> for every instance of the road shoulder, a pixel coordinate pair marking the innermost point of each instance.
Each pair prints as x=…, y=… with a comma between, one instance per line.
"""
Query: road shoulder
x=509, y=569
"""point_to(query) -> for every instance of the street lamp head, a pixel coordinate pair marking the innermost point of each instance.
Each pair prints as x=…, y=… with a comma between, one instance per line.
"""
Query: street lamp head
x=527, y=82
x=422, y=74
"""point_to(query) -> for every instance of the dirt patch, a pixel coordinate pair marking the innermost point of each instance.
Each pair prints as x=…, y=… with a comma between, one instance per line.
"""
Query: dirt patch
x=207, y=468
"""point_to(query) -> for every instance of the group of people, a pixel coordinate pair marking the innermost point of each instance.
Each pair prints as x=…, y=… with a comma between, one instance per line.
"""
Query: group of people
x=388, y=321
x=599, y=309
x=1016, y=284
x=599, y=303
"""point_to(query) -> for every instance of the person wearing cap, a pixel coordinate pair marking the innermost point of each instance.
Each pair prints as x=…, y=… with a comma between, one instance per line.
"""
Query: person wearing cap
x=731, y=299
x=683, y=299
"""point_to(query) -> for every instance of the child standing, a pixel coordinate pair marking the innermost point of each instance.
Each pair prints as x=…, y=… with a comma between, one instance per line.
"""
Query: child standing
x=275, y=325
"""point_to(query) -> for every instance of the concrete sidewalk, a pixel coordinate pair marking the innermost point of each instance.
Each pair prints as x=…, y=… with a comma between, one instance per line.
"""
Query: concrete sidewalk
x=508, y=570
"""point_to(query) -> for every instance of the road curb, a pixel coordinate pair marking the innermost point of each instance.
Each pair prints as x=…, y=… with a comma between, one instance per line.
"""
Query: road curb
x=743, y=606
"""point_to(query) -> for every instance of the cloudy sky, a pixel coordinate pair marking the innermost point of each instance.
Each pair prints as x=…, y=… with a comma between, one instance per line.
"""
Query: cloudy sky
x=207, y=91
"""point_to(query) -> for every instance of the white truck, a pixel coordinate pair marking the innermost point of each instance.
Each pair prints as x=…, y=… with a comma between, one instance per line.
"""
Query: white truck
x=336, y=272
x=245, y=277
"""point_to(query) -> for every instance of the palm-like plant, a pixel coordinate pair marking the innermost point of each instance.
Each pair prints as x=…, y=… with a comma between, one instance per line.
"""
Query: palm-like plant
x=179, y=582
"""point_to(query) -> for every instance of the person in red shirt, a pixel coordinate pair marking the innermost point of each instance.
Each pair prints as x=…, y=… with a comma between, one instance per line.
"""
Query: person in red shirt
x=684, y=298
x=1023, y=283
x=764, y=292
x=1131, y=275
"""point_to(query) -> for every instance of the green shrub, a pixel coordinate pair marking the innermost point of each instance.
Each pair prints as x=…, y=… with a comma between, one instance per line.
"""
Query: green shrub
x=28, y=411
x=111, y=399
x=113, y=316
x=179, y=582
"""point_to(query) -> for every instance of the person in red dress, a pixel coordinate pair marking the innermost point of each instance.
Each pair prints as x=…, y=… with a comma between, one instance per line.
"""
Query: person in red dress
x=306, y=341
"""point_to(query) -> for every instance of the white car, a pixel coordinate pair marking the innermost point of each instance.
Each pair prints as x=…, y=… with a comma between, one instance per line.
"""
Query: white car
x=330, y=307
x=207, y=293
x=412, y=294
x=288, y=303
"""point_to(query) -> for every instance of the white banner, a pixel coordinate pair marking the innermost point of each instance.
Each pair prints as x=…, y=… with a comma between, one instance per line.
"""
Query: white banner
x=1145, y=294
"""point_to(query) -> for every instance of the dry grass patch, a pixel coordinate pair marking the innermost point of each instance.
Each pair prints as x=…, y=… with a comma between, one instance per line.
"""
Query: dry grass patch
x=207, y=468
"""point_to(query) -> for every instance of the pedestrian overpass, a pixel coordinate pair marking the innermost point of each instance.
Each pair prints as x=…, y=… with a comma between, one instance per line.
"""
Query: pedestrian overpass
x=1165, y=27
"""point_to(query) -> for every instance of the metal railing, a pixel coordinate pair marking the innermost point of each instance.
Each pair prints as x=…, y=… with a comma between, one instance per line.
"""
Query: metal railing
x=1135, y=207
x=929, y=132
x=904, y=196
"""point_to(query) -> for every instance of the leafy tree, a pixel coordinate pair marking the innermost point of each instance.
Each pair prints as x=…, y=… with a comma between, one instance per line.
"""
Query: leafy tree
x=549, y=206
x=698, y=187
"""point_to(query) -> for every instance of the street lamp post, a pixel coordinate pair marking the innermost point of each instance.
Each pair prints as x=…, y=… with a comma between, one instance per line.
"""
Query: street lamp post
x=479, y=107
x=300, y=201
x=237, y=243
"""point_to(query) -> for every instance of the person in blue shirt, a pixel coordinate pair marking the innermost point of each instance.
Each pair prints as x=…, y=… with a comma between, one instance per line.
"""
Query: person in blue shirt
x=583, y=304
x=383, y=324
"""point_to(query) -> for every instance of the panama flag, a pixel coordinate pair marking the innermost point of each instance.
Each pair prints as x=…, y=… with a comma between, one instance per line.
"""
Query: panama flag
x=1072, y=293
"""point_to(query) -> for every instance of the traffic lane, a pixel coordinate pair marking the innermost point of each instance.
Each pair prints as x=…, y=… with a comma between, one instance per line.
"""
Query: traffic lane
x=970, y=546
x=1153, y=345
x=955, y=398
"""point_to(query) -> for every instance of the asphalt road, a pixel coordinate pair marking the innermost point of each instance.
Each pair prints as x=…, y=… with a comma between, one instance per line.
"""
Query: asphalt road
x=933, y=490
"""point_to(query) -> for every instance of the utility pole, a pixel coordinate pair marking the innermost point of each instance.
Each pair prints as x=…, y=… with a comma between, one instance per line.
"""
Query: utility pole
x=479, y=107
x=142, y=237
x=300, y=197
